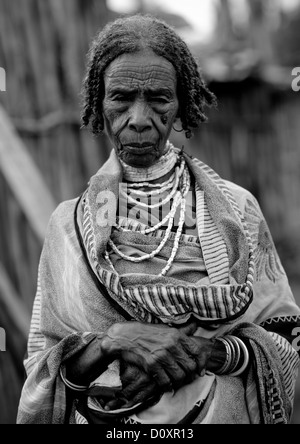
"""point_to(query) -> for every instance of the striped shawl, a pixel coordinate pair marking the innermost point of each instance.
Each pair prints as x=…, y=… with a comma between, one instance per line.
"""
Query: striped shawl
x=79, y=295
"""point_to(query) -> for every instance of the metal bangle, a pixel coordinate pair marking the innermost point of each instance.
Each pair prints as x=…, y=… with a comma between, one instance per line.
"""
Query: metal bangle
x=228, y=361
x=77, y=388
x=246, y=358
x=236, y=353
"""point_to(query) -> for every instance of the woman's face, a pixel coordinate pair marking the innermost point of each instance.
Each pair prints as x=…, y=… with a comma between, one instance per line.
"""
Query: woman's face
x=140, y=106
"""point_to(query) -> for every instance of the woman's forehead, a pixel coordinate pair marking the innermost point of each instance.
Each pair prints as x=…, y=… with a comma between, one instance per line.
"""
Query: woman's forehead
x=142, y=67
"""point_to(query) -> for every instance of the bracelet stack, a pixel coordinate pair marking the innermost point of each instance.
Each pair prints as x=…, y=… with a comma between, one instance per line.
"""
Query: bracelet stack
x=237, y=356
x=71, y=386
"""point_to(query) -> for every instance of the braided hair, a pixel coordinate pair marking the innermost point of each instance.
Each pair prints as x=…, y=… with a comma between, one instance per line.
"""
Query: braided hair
x=133, y=34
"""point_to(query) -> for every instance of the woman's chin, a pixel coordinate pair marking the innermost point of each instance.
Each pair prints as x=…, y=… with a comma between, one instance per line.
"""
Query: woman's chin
x=139, y=161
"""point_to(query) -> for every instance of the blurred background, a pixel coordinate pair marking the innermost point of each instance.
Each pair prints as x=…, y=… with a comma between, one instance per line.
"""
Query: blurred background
x=247, y=50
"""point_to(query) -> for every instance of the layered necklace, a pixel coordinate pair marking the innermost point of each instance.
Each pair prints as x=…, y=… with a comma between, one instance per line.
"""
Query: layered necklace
x=140, y=183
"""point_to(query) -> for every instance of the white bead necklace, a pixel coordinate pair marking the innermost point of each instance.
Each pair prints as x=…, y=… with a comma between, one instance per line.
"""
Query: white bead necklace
x=162, y=167
x=154, y=192
x=179, y=184
x=180, y=225
x=158, y=249
x=151, y=185
x=178, y=174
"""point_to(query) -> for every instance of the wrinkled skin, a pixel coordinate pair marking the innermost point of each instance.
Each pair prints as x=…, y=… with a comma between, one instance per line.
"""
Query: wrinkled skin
x=158, y=359
x=140, y=106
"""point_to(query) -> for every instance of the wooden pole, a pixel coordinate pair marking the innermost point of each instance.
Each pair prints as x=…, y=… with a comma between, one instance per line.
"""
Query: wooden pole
x=15, y=307
x=24, y=179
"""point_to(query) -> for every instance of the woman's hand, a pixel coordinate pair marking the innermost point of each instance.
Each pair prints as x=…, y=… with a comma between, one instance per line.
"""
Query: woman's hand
x=166, y=356
x=155, y=359
x=137, y=387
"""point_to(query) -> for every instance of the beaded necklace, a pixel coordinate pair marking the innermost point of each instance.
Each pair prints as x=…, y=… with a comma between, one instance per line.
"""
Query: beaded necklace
x=163, y=166
x=178, y=185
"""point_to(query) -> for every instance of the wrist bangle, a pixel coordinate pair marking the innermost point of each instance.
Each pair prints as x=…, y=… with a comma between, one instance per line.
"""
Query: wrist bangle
x=228, y=360
x=246, y=358
x=236, y=353
x=70, y=385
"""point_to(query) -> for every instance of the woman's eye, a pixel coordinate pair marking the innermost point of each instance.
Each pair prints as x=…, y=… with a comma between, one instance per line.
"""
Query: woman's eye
x=160, y=100
x=121, y=99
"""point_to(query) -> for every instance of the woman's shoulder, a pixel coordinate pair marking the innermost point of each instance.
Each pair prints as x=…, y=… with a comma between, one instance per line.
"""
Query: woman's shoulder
x=65, y=209
x=63, y=215
x=237, y=189
x=243, y=196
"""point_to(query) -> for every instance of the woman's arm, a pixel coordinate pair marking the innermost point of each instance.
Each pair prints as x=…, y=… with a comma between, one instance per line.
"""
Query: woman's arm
x=169, y=355
x=88, y=364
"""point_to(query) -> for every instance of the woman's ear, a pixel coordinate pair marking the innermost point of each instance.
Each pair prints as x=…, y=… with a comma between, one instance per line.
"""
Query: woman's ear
x=177, y=125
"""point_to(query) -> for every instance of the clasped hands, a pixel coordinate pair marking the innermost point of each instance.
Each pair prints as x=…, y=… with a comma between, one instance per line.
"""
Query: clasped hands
x=154, y=359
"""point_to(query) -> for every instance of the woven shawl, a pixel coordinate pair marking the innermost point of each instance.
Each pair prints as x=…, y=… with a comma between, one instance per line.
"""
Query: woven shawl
x=225, y=237
x=70, y=307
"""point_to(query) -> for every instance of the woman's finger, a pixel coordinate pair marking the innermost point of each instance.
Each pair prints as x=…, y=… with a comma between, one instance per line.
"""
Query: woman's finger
x=135, y=392
x=149, y=392
x=200, y=349
x=116, y=404
x=130, y=373
x=141, y=392
x=139, y=384
x=175, y=371
x=189, y=329
x=151, y=364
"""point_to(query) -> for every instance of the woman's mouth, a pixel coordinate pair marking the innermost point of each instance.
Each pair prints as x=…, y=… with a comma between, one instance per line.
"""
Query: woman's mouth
x=139, y=148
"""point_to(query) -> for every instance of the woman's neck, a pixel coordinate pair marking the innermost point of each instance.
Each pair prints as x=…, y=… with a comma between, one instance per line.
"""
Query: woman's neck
x=157, y=173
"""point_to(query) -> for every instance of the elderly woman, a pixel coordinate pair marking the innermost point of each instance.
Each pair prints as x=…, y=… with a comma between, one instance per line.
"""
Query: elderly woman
x=161, y=298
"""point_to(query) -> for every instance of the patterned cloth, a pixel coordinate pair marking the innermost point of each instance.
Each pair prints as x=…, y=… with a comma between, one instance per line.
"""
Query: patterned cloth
x=248, y=294
x=226, y=246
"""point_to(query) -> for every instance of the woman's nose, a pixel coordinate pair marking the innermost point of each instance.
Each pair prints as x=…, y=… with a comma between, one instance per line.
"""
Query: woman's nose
x=139, y=120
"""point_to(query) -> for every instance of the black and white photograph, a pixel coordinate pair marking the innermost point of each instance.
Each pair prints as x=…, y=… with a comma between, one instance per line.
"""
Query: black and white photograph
x=149, y=214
